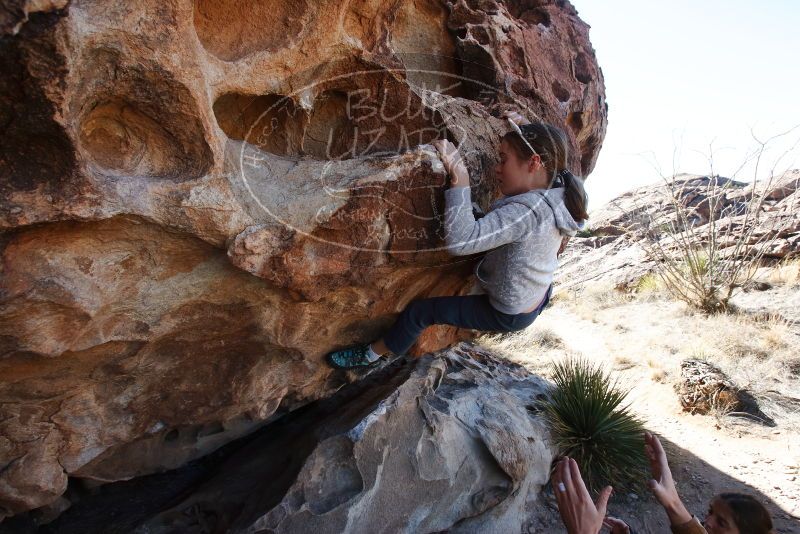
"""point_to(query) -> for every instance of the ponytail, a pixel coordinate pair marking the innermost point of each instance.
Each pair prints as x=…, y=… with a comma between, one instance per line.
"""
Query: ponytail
x=575, y=198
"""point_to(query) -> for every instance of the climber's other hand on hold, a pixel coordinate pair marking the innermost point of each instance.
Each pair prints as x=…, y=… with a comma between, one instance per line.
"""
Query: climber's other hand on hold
x=453, y=163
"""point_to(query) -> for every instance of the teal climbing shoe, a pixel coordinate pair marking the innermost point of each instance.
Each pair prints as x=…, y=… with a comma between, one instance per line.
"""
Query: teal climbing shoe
x=352, y=358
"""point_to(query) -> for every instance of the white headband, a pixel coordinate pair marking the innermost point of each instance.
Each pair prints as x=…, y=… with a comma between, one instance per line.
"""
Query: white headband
x=517, y=129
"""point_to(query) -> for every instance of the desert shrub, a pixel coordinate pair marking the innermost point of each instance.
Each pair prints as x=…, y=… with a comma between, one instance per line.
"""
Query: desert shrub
x=591, y=425
x=714, y=233
x=647, y=283
x=787, y=272
x=689, y=257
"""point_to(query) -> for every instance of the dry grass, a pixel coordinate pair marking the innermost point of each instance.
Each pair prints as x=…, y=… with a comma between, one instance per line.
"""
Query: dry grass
x=536, y=347
x=645, y=335
x=586, y=301
x=622, y=363
x=659, y=375
x=758, y=355
x=786, y=273
x=543, y=338
x=650, y=283
x=756, y=349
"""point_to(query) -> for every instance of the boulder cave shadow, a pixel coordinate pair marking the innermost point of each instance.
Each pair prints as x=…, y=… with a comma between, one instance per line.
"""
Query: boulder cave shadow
x=269, y=458
x=645, y=515
x=121, y=507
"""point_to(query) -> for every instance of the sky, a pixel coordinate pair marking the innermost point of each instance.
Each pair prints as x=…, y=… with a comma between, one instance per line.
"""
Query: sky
x=686, y=80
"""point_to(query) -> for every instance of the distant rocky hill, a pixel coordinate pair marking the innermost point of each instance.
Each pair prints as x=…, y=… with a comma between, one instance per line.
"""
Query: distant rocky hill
x=610, y=251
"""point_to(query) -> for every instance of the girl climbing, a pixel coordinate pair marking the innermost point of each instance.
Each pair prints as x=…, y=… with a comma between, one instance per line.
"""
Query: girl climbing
x=543, y=205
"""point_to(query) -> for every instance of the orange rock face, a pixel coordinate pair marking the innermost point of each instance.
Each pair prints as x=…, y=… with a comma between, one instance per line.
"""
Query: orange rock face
x=198, y=200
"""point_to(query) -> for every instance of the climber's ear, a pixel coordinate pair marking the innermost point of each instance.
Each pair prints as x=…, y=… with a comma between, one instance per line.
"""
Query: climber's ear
x=535, y=162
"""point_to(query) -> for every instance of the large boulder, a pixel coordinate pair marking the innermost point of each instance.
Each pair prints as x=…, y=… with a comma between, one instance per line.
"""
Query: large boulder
x=449, y=442
x=458, y=447
x=198, y=200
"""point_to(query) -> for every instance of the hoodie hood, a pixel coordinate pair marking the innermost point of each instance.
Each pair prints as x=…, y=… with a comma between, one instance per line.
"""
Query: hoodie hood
x=551, y=200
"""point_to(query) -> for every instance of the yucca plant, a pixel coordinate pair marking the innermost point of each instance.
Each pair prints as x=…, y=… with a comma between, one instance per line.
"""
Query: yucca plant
x=591, y=425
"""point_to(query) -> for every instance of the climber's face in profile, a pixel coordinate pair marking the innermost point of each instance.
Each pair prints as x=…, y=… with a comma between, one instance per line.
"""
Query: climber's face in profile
x=515, y=176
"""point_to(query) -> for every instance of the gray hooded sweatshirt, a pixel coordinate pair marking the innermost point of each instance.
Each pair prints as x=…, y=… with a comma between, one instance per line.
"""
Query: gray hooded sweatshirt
x=522, y=234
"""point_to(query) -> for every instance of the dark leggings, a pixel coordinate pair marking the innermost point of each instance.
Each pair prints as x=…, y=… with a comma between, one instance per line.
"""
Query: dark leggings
x=468, y=311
